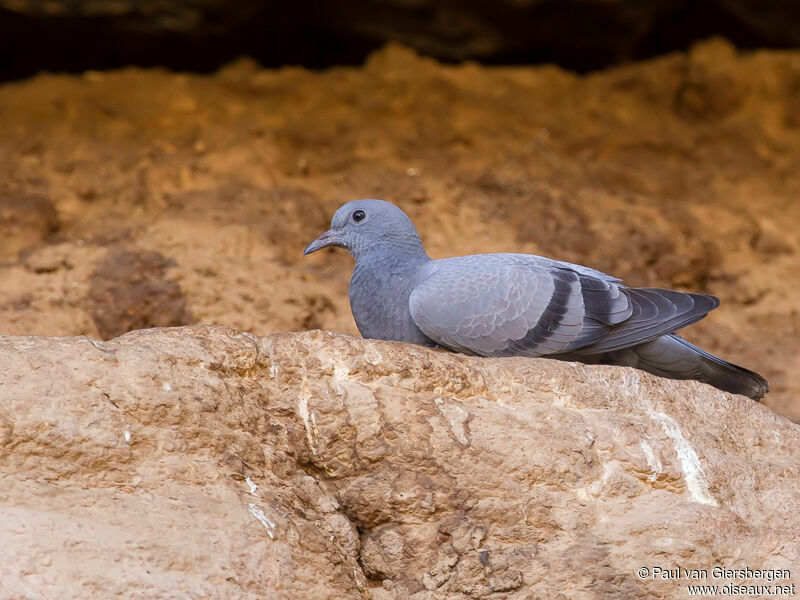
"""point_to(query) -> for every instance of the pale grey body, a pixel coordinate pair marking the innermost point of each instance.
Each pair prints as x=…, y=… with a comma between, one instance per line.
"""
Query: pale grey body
x=517, y=304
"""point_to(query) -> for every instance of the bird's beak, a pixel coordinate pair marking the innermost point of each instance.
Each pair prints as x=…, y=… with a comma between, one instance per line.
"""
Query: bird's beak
x=332, y=237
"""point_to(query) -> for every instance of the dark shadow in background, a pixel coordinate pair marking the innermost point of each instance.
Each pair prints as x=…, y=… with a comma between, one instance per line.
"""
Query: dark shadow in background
x=581, y=35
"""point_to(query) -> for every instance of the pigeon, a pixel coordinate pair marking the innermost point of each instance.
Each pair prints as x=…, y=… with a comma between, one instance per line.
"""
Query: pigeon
x=517, y=304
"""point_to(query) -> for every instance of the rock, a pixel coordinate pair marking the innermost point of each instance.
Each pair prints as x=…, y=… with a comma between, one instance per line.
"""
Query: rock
x=768, y=239
x=130, y=290
x=50, y=258
x=205, y=462
x=710, y=88
x=27, y=221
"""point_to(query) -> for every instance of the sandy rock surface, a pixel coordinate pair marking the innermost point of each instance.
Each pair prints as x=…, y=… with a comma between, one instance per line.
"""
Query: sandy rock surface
x=207, y=463
x=143, y=198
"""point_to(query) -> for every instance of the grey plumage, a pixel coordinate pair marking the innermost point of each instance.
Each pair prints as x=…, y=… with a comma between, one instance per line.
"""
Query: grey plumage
x=517, y=304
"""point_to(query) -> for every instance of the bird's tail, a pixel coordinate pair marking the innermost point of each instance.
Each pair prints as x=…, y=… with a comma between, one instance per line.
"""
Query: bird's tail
x=672, y=356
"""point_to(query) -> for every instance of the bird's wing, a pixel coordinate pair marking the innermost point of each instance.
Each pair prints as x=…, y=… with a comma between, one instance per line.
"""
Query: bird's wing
x=654, y=312
x=491, y=305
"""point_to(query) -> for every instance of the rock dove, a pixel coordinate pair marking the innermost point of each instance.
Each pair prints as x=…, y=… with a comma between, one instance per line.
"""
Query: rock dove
x=517, y=304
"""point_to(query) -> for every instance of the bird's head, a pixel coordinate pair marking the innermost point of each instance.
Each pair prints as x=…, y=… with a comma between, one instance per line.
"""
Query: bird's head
x=366, y=226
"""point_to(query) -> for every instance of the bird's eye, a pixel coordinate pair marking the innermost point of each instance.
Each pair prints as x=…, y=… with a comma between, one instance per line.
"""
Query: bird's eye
x=358, y=215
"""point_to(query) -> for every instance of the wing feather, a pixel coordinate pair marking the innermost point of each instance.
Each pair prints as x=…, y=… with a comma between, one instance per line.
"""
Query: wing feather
x=520, y=305
x=656, y=312
x=499, y=308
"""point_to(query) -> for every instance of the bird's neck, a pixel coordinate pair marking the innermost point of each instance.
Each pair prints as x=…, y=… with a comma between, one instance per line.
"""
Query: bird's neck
x=392, y=253
x=389, y=270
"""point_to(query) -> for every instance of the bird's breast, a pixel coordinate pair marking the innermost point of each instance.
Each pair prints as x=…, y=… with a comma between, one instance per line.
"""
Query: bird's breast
x=379, y=302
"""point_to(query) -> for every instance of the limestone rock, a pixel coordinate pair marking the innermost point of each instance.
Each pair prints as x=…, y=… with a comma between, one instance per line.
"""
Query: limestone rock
x=204, y=462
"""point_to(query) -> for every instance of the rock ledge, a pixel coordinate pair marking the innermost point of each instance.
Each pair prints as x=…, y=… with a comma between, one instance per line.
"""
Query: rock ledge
x=204, y=462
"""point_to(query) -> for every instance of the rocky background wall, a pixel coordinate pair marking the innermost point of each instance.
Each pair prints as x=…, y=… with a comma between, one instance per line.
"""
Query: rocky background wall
x=141, y=198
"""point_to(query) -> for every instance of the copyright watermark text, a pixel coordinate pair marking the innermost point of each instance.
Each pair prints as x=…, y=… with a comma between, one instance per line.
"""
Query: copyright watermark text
x=724, y=581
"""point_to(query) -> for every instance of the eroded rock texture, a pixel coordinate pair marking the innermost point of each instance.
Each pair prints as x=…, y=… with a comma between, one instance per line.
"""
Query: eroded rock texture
x=203, y=462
